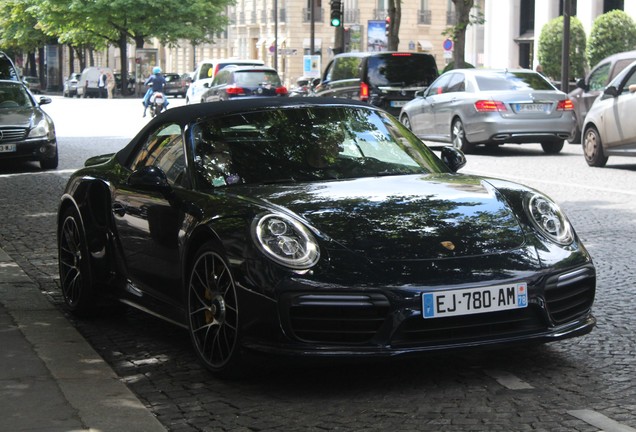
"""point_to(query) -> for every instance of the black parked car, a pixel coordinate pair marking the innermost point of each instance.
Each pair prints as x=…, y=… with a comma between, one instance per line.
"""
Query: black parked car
x=26, y=132
x=241, y=82
x=317, y=227
x=384, y=79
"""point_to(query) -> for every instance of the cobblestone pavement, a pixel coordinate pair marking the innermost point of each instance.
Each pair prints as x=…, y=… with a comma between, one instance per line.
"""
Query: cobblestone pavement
x=583, y=384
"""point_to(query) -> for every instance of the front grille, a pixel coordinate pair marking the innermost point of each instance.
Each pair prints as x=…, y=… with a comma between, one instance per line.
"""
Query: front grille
x=9, y=135
x=336, y=318
x=468, y=328
x=570, y=295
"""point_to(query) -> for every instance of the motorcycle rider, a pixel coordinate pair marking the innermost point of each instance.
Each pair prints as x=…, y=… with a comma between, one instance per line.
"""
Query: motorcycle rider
x=157, y=83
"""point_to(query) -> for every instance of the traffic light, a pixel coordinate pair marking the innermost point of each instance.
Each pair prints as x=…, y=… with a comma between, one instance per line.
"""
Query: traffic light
x=387, y=26
x=336, y=13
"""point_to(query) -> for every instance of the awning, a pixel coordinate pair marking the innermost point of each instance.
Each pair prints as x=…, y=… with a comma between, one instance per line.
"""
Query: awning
x=307, y=43
x=425, y=45
x=527, y=37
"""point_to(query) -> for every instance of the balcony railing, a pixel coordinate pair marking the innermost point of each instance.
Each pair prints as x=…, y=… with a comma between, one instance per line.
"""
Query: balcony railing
x=351, y=15
x=380, y=14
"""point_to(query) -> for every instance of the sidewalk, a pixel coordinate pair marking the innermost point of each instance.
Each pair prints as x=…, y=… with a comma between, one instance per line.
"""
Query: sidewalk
x=50, y=378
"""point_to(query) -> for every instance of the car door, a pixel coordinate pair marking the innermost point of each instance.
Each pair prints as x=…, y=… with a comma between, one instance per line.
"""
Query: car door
x=446, y=103
x=618, y=118
x=423, y=118
x=149, y=220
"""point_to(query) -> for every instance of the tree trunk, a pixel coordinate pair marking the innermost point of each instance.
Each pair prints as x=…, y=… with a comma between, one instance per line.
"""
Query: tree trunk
x=462, y=12
x=395, y=18
x=123, y=55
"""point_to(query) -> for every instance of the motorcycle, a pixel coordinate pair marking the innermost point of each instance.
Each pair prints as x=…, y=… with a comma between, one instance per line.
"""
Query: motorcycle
x=157, y=103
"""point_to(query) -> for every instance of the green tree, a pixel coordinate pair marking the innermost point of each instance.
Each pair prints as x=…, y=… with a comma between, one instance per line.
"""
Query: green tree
x=101, y=23
x=551, y=48
x=611, y=33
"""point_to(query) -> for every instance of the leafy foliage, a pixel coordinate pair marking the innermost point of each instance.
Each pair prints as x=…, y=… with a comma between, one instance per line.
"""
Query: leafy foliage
x=612, y=32
x=551, y=48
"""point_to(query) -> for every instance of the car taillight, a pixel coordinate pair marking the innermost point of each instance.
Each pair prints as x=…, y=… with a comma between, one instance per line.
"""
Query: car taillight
x=364, y=91
x=234, y=90
x=489, y=106
x=565, y=105
x=282, y=90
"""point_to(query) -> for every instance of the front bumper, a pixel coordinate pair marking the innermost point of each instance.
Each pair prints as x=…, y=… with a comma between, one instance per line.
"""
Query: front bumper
x=31, y=149
x=323, y=321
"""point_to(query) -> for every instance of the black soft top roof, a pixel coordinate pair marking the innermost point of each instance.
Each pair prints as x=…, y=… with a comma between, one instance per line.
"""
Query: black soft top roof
x=192, y=113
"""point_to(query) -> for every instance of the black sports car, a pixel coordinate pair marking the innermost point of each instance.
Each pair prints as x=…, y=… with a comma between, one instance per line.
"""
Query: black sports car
x=317, y=227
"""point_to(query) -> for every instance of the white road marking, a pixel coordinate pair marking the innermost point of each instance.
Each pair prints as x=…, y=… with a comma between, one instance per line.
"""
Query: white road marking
x=600, y=421
x=58, y=172
x=527, y=180
x=508, y=380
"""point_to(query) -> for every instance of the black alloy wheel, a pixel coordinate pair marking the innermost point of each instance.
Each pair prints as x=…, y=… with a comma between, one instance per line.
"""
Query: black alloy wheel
x=593, y=148
x=458, y=137
x=74, y=265
x=213, y=313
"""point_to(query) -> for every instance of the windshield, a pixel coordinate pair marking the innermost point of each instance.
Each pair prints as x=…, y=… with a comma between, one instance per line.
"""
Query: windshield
x=306, y=144
x=14, y=96
x=401, y=70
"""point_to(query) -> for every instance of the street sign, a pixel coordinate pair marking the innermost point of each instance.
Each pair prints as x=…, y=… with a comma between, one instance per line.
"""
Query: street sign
x=448, y=45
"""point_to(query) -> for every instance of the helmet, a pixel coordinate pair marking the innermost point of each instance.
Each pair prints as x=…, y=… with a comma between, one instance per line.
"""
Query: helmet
x=156, y=70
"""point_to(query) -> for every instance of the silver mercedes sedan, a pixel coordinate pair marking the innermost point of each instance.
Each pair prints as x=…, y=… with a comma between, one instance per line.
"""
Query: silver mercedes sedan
x=467, y=107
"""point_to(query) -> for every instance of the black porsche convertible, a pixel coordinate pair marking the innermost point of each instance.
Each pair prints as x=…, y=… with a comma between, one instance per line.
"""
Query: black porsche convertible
x=318, y=228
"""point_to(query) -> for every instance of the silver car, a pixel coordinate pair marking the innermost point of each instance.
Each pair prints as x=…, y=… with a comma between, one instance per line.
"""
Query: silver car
x=467, y=107
x=609, y=127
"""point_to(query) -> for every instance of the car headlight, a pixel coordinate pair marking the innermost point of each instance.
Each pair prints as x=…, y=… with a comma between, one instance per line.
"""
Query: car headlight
x=42, y=129
x=285, y=241
x=548, y=218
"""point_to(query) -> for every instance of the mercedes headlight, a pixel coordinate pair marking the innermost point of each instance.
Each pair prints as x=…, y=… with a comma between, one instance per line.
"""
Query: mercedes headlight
x=548, y=218
x=42, y=129
x=285, y=241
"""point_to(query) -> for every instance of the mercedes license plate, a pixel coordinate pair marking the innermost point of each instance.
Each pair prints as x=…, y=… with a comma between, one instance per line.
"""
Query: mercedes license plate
x=474, y=300
x=398, y=103
x=7, y=148
x=532, y=107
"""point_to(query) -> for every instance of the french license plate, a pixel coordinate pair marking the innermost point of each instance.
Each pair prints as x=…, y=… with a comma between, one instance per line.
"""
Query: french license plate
x=398, y=103
x=532, y=107
x=474, y=300
x=7, y=148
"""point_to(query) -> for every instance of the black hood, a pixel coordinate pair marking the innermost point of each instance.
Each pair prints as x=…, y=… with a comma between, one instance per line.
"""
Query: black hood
x=404, y=217
x=19, y=117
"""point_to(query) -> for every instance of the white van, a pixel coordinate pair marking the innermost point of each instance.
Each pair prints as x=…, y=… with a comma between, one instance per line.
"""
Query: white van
x=87, y=85
x=205, y=72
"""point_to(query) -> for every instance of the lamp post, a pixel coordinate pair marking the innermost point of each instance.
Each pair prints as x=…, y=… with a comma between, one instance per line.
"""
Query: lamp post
x=276, y=34
x=565, y=54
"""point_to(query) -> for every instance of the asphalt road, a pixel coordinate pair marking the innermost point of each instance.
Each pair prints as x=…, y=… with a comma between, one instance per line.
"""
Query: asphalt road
x=583, y=384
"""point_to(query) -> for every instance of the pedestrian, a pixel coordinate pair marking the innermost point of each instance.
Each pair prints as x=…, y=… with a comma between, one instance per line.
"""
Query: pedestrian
x=102, y=84
x=539, y=69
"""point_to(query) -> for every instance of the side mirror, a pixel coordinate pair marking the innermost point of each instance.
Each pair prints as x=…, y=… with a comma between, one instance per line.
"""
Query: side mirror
x=610, y=91
x=581, y=84
x=419, y=93
x=453, y=158
x=149, y=178
x=45, y=100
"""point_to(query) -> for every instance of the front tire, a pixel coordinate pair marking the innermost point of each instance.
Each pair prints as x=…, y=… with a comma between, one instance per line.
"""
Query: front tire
x=406, y=122
x=76, y=279
x=213, y=312
x=458, y=137
x=593, y=148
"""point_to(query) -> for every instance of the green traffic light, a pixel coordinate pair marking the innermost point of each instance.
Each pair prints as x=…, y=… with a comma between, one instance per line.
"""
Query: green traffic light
x=335, y=22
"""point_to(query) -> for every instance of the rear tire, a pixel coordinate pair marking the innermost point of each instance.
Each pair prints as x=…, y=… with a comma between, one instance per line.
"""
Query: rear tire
x=552, y=147
x=458, y=137
x=76, y=278
x=593, y=148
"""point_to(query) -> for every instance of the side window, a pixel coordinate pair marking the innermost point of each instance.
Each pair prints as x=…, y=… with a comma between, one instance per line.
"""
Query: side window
x=221, y=77
x=346, y=68
x=599, y=78
x=213, y=159
x=620, y=65
x=439, y=86
x=206, y=71
x=164, y=149
x=630, y=80
x=456, y=83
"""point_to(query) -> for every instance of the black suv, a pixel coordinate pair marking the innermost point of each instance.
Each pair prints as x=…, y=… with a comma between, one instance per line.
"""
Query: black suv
x=7, y=69
x=384, y=79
